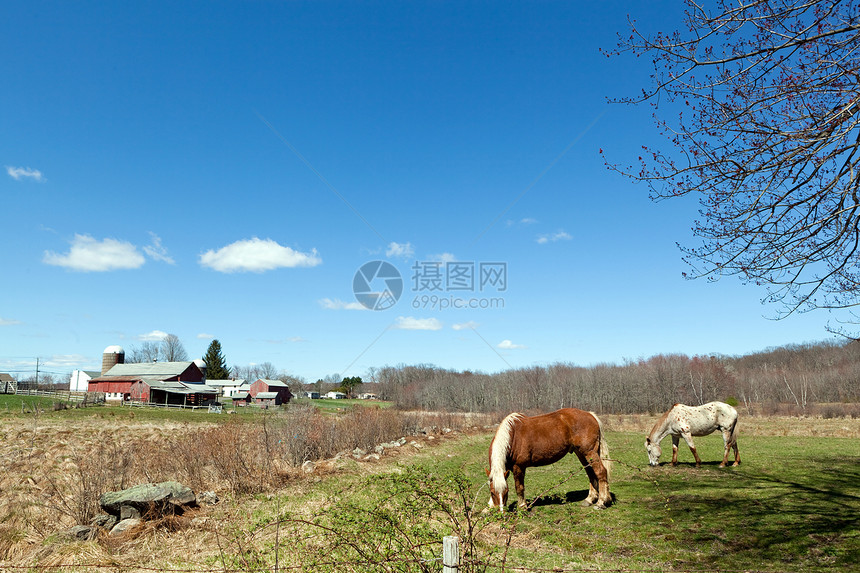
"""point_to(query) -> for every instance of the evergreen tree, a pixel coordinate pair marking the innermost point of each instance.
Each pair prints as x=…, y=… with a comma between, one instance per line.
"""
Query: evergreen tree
x=347, y=385
x=216, y=364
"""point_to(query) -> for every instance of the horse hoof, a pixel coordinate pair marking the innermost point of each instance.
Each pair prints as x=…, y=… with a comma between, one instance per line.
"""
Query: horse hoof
x=585, y=503
x=722, y=465
x=598, y=506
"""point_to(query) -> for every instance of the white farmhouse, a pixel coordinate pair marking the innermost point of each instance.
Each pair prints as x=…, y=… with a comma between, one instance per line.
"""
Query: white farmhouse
x=80, y=380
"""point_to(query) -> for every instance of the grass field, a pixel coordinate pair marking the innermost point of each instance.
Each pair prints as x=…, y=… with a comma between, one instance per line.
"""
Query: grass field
x=792, y=505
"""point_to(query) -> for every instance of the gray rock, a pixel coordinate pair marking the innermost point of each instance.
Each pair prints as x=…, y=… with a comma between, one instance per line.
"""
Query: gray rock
x=83, y=532
x=124, y=526
x=128, y=512
x=104, y=520
x=207, y=498
x=148, y=497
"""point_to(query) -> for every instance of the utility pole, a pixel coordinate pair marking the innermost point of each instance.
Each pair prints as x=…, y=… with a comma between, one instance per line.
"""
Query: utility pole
x=37, y=372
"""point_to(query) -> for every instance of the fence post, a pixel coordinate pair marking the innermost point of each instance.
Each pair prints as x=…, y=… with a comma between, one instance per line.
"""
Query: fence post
x=450, y=554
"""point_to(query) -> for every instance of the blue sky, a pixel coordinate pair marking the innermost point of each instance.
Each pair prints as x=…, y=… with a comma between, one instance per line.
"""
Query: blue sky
x=223, y=170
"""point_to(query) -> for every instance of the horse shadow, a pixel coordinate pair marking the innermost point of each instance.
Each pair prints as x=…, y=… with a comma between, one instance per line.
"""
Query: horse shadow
x=692, y=464
x=571, y=497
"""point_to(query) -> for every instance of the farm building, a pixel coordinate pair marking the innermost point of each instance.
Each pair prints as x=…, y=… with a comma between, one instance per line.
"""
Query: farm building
x=80, y=379
x=335, y=395
x=267, y=399
x=7, y=384
x=280, y=389
x=177, y=383
x=230, y=387
x=313, y=395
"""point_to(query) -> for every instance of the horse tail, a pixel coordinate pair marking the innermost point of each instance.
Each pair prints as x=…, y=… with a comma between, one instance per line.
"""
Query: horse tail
x=604, y=447
x=499, y=449
x=733, y=440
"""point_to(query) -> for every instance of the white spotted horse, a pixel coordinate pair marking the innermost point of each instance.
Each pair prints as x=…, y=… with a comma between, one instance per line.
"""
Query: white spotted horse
x=687, y=421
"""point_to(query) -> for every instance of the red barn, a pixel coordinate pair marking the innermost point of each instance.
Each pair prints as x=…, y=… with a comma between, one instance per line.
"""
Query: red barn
x=270, y=392
x=180, y=383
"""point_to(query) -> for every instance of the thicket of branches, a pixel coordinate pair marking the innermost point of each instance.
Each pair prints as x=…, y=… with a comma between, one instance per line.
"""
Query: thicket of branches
x=799, y=375
x=760, y=106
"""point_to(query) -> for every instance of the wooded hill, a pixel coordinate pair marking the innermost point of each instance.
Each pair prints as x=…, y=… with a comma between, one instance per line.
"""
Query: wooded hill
x=821, y=378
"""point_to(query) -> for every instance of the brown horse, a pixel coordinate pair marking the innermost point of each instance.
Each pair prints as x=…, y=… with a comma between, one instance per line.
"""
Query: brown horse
x=525, y=441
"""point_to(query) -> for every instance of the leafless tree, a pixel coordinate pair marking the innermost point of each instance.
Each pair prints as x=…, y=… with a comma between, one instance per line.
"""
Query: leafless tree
x=146, y=351
x=760, y=100
x=172, y=349
x=168, y=349
x=267, y=371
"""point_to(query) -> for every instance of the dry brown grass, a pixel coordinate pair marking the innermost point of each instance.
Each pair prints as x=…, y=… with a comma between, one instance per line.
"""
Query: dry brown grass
x=45, y=465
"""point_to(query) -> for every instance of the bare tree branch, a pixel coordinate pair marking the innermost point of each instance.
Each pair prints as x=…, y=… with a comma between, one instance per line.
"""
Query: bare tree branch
x=767, y=137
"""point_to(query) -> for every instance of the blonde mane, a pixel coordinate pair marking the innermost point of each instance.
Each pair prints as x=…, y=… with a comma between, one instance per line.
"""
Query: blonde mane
x=500, y=449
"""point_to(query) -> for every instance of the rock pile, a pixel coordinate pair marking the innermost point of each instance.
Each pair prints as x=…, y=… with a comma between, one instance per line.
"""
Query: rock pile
x=130, y=507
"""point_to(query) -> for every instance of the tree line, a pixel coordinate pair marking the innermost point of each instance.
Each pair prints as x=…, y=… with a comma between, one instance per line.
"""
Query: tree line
x=799, y=375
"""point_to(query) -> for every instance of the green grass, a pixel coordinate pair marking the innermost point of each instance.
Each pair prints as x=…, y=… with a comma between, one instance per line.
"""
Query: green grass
x=792, y=505
x=330, y=406
x=10, y=406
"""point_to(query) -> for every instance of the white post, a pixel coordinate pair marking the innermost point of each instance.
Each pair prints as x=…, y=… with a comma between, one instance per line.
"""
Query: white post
x=450, y=554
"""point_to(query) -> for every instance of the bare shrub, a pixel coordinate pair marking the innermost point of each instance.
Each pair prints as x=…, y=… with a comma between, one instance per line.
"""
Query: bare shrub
x=238, y=455
x=106, y=467
x=833, y=410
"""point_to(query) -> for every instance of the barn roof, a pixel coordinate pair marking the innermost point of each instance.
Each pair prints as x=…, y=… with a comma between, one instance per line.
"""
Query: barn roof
x=6, y=377
x=274, y=383
x=267, y=395
x=149, y=369
x=236, y=383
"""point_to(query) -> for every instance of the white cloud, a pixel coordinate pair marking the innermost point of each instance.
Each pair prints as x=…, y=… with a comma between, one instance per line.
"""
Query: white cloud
x=156, y=252
x=8, y=321
x=508, y=345
x=402, y=250
x=205, y=336
x=523, y=221
x=410, y=323
x=66, y=360
x=257, y=255
x=89, y=255
x=471, y=325
x=553, y=237
x=18, y=173
x=155, y=335
x=337, y=304
x=442, y=258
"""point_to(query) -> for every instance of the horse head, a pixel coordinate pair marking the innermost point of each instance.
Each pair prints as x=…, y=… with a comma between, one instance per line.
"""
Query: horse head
x=654, y=451
x=498, y=497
